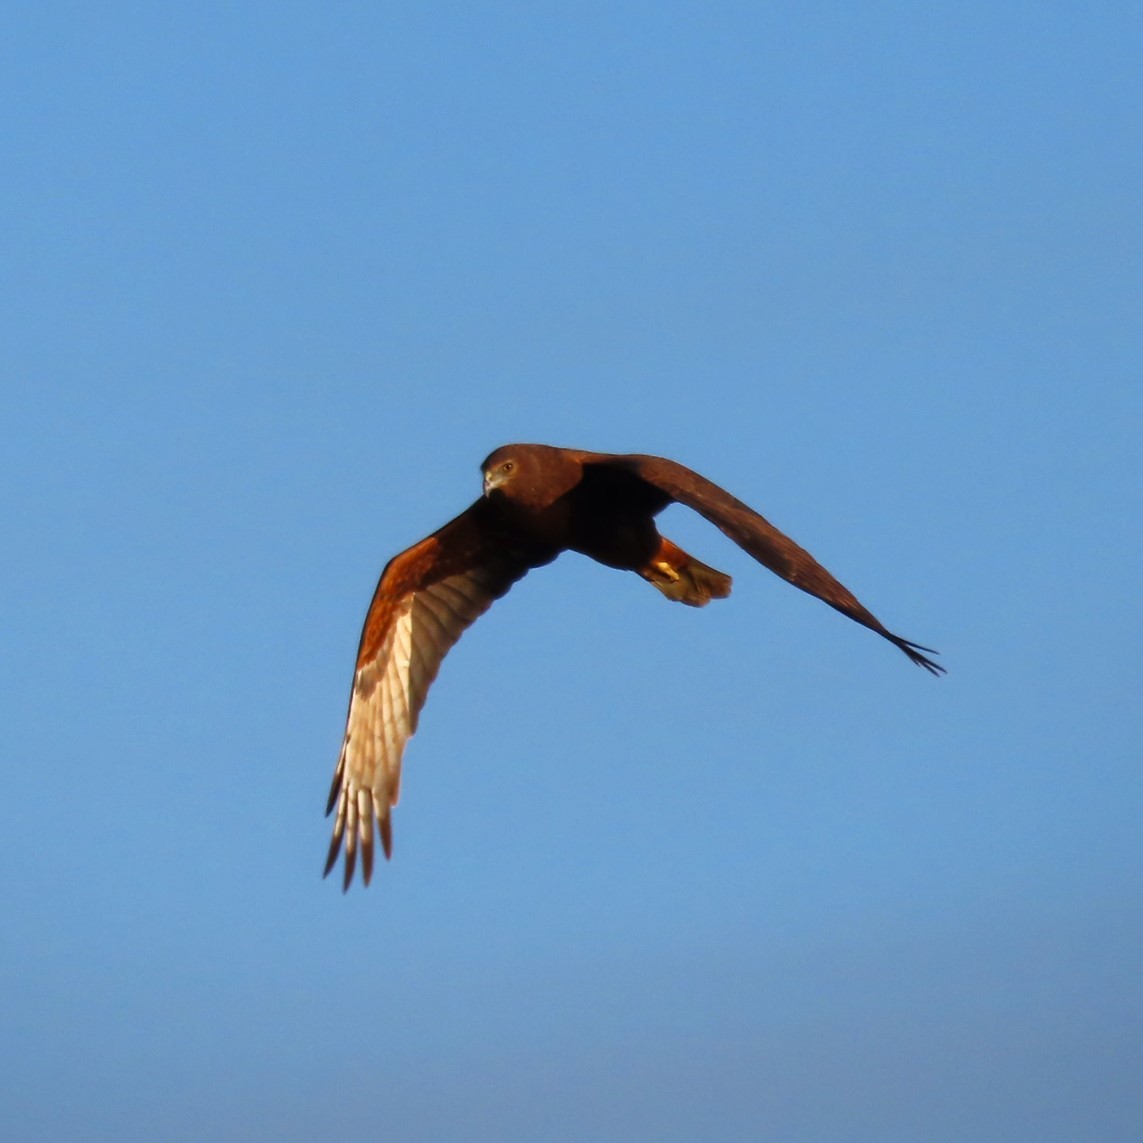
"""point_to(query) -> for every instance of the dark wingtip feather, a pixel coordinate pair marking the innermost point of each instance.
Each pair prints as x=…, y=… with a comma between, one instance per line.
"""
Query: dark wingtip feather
x=331, y=857
x=334, y=790
x=914, y=651
x=367, y=857
x=350, y=862
x=386, y=825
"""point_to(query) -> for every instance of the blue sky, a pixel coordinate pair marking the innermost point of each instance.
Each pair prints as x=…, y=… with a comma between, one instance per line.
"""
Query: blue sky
x=277, y=277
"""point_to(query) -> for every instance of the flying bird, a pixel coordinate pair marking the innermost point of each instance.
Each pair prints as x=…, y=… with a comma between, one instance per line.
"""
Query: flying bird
x=537, y=502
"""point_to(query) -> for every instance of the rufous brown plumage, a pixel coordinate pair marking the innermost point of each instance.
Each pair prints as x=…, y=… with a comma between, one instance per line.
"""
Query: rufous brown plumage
x=538, y=501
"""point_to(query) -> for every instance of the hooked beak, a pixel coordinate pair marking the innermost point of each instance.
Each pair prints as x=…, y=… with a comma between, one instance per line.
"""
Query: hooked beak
x=494, y=477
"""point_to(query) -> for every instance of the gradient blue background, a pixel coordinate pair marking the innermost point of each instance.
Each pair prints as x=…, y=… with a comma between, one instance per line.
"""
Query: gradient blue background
x=276, y=277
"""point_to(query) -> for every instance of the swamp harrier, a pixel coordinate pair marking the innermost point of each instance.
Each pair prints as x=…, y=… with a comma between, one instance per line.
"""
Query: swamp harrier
x=538, y=501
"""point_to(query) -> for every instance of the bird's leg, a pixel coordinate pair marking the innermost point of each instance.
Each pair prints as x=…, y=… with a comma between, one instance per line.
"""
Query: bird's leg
x=679, y=576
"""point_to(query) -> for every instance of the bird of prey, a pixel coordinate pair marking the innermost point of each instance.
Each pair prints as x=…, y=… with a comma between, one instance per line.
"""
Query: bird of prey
x=538, y=501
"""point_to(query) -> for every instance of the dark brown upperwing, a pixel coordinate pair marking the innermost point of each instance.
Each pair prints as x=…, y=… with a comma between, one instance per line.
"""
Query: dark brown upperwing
x=756, y=535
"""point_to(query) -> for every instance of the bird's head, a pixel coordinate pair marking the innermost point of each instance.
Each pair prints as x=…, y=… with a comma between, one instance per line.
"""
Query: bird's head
x=529, y=475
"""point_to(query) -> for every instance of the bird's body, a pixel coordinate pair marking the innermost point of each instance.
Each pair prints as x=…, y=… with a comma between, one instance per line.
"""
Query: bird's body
x=538, y=501
x=587, y=503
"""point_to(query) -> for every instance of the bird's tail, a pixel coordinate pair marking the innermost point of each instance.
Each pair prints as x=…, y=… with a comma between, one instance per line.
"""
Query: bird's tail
x=679, y=576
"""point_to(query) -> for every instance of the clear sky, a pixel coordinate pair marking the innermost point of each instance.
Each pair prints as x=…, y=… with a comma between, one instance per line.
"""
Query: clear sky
x=276, y=277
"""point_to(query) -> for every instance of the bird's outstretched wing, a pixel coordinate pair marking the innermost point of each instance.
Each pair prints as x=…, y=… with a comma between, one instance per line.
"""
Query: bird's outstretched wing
x=756, y=535
x=426, y=598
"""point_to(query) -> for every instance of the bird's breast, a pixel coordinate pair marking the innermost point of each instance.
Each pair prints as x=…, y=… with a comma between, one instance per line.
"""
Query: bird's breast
x=619, y=543
x=548, y=526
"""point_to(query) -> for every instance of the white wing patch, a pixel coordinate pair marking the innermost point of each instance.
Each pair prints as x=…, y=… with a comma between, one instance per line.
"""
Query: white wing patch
x=388, y=693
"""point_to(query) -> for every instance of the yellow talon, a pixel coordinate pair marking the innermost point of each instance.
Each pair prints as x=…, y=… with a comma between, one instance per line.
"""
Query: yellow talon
x=666, y=569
